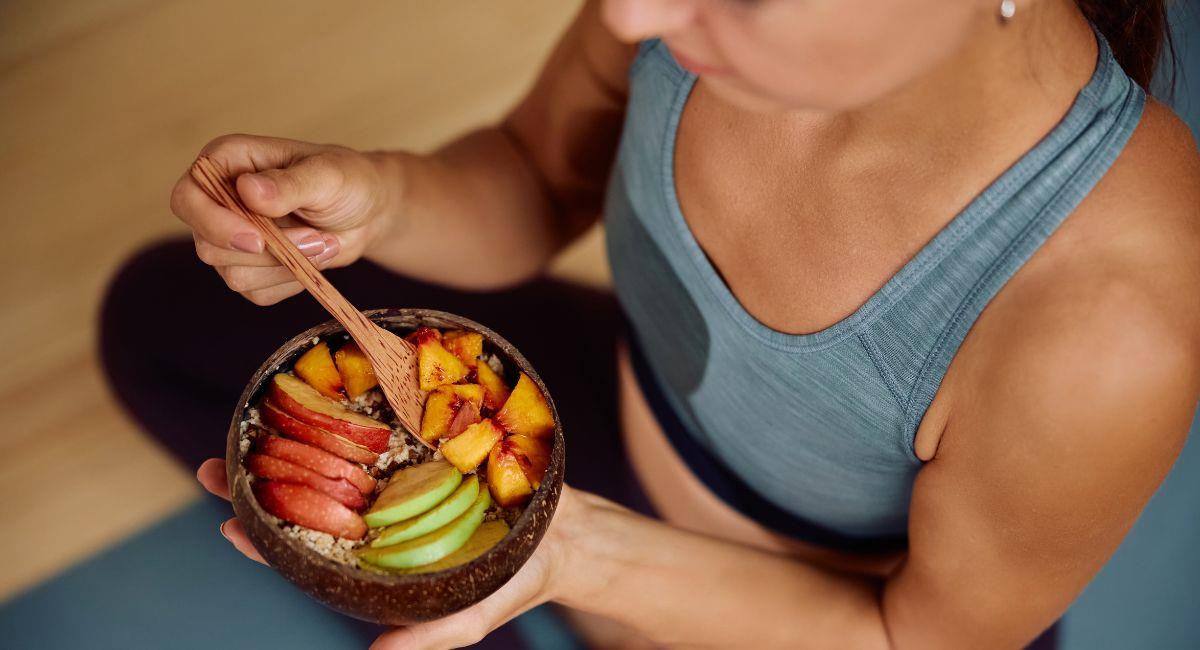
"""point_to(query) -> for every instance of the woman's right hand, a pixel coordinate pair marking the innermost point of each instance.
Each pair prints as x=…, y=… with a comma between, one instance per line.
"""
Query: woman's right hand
x=331, y=201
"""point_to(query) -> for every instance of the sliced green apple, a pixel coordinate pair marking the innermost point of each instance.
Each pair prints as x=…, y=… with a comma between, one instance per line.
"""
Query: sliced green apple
x=434, y=546
x=486, y=536
x=413, y=491
x=445, y=512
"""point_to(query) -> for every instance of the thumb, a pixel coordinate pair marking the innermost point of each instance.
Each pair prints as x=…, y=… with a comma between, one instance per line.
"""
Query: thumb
x=307, y=185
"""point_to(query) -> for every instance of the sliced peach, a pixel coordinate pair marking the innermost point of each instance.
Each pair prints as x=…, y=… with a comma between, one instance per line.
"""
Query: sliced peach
x=309, y=508
x=533, y=454
x=468, y=449
x=304, y=403
x=467, y=346
x=466, y=416
x=436, y=365
x=416, y=336
x=316, y=367
x=526, y=411
x=355, y=368
x=289, y=426
x=443, y=406
x=506, y=479
x=277, y=469
x=495, y=391
x=318, y=460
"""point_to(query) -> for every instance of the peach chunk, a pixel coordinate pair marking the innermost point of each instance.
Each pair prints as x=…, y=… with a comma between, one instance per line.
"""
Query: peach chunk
x=468, y=449
x=467, y=346
x=526, y=411
x=309, y=508
x=506, y=479
x=436, y=365
x=443, y=407
x=316, y=367
x=495, y=391
x=355, y=368
x=533, y=455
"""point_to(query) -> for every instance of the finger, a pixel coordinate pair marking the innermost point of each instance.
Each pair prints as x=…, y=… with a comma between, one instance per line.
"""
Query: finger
x=310, y=241
x=264, y=297
x=244, y=279
x=212, y=222
x=212, y=476
x=232, y=530
x=240, y=153
x=310, y=183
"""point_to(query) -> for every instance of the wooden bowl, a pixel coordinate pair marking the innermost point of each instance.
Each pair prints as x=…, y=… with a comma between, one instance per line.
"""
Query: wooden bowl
x=393, y=599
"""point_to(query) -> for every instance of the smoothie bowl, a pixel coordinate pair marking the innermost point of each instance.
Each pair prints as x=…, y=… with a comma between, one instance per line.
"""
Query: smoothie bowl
x=383, y=524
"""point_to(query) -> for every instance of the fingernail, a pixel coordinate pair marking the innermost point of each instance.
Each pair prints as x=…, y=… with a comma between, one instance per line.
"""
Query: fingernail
x=265, y=186
x=247, y=242
x=312, y=245
x=332, y=248
x=222, y=529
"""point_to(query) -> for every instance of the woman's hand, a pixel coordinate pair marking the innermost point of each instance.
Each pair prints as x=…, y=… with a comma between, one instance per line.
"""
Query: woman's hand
x=331, y=201
x=533, y=585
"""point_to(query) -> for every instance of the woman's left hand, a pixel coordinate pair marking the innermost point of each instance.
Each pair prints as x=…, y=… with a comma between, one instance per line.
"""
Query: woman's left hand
x=533, y=585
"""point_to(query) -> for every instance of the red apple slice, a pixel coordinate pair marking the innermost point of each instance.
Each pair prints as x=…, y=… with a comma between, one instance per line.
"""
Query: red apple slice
x=304, y=403
x=309, y=508
x=289, y=426
x=276, y=469
x=319, y=461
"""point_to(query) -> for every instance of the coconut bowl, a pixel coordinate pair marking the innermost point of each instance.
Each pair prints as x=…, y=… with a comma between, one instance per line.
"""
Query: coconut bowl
x=392, y=599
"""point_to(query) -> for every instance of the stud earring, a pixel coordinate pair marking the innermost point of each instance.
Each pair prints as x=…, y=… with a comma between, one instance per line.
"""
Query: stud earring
x=1007, y=9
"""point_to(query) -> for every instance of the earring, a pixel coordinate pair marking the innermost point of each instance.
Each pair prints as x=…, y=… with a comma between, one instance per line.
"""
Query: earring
x=1007, y=9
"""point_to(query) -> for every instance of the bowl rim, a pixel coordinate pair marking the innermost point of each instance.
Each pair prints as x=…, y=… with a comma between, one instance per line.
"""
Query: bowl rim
x=238, y=477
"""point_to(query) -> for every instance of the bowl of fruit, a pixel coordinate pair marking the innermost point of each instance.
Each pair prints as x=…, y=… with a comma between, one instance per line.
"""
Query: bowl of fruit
x=382, y=523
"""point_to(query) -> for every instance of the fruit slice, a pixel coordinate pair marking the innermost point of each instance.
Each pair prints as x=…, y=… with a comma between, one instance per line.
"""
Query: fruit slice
x=355, y=368
x=316, y=367
x=413, y=491
x=467, y=346
x=416, y=336
x=436, y=365
x=309, y=508
x=506, y=479
x=304, y=403
x=289, y=426
x=468, y=449
x=495, y=391
x=466, y=416
x=486, y=536
x=319, y=461
x=275, y=469
x=433, y=546
x=533, y=455
x=526, y=411
x=445, y=512
x=444, y=405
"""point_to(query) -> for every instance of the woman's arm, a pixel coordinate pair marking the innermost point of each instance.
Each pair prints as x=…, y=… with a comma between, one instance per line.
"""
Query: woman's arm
x=493, y=207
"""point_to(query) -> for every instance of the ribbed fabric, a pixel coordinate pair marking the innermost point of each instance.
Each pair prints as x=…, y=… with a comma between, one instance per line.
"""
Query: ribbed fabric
x=821, y=425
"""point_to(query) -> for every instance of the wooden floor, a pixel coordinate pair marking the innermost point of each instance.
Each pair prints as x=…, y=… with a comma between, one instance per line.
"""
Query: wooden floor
x=102, y=106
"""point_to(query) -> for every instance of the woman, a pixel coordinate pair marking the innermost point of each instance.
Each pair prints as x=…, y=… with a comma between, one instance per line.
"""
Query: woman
x=913, y=290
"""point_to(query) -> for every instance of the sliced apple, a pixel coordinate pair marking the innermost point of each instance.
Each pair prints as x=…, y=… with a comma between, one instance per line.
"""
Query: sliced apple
x=533, y=454
x=309, y=508
x=316, y=368
x=289, y=426
x=304, y=403
x=495, y=391
x=436, y=365
x=506, y=479
x=526, y=411
x=434, y=546
x=443, y=406
x=469, y=448
x=445, y=512
x=413, y=491
x=355, y=369
x=467, y=346
x=318, y=460
x=276, y=469
x=486, y=536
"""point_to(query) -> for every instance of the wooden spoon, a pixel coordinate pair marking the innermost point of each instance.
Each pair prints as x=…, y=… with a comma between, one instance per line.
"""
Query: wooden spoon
x=393, y=359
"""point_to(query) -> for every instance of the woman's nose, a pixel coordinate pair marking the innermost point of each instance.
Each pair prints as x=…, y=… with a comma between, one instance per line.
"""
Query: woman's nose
x=637, y=20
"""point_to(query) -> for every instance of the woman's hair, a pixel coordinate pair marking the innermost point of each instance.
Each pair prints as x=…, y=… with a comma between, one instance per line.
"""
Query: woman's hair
x=1137, y=31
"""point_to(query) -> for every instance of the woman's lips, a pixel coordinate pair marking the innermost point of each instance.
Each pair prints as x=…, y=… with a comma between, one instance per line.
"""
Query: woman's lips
x=695, y=67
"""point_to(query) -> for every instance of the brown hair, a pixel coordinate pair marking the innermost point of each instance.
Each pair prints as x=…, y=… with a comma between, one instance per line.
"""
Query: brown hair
x=1137, y=31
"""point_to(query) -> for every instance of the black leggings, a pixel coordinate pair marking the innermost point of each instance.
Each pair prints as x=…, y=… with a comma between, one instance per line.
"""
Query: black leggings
x=179, y=347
